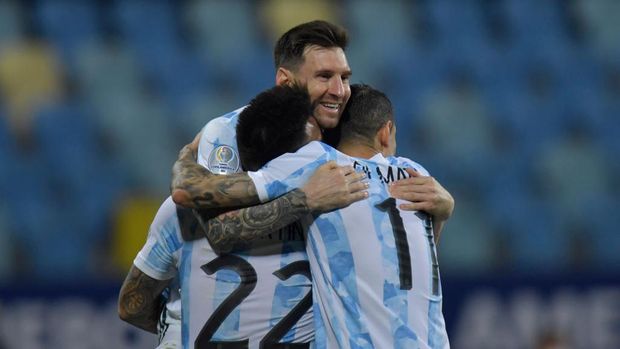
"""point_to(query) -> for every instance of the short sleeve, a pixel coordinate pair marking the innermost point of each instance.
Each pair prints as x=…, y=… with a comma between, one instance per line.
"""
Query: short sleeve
x=159, y=256
x=217, y=150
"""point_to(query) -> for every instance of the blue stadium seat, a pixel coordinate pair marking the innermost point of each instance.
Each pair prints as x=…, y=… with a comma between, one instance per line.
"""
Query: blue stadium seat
x=66, y=139
x=222, y=29
x=7, y=245
x=8, y=155
x=381, y=42
x=602, y=231
x=68, y=144
x=182, y=79
x=469, y=247
x=142, y=139
x=452, y=19
x=30, y=192
x=226, y=35
x=150, y=28
x=68, y=25
x=107, y=72
x=535, y=25
x=535, y=239
x=62, y=254
x=11, y=26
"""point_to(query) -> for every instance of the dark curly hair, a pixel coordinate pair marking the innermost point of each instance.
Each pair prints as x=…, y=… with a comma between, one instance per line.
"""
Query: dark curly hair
x=272, y=124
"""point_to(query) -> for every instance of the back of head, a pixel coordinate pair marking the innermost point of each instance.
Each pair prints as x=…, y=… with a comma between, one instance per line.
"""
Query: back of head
x=366, y=112
x=289, y=49
x=272, y=124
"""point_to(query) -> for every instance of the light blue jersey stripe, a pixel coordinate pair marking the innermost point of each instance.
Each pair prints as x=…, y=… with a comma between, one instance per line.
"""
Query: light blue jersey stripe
x=286, y=294
x=160, y=257
x=343, y=277
x=184, y=272
x=436, y=326
x=226, y=283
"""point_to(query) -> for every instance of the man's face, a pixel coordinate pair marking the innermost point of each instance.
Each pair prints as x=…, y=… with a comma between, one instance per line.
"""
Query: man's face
x=326, y=73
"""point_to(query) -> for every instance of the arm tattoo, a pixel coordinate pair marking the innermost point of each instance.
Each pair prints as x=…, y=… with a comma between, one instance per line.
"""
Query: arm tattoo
x=139, y=302
x=237, y=229
x=208, y=190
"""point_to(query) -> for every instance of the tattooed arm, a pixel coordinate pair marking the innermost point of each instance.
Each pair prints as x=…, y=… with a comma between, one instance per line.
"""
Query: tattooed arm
x=139, y=301
x=235, y=230
x=194, y=186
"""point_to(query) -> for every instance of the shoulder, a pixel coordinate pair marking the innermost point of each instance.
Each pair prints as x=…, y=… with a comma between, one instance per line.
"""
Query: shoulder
x=220, y=127
x=220, y=134
x=406, y=162
x=166, y=212
x=228, y=120
x=166, y=221
x=316, y=147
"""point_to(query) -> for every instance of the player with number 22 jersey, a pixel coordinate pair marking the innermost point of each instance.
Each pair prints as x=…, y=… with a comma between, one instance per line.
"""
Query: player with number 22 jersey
x=250, y=299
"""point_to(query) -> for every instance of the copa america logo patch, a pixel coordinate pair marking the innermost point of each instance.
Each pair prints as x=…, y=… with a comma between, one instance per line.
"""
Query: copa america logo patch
x=223, y=160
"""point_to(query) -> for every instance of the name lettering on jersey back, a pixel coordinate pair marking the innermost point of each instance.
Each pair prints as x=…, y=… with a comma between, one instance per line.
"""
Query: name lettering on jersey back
x=387, y=177
x=292, y=232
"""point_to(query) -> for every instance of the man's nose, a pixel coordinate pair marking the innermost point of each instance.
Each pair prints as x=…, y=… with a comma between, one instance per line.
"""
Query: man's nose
x=336, y=87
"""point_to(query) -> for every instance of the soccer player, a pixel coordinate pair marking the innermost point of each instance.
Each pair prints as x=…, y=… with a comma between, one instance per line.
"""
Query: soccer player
x=375, y=273
x=311, y=53
x=374, y=265
x=247, y=299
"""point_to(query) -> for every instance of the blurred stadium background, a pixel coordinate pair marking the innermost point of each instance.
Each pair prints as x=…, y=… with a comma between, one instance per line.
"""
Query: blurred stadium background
x=514, y=105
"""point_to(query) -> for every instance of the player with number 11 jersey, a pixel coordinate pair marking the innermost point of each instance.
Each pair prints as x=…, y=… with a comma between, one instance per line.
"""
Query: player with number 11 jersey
x=375, y=273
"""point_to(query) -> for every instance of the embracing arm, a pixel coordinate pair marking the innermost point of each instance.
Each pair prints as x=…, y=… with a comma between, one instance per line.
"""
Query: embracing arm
x=424, y=193
x=235, y=230
x=323, y=192
x=139, y=301
x=194, y=186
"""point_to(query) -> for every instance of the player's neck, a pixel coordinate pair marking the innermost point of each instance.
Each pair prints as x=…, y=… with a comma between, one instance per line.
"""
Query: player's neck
x=358, y=150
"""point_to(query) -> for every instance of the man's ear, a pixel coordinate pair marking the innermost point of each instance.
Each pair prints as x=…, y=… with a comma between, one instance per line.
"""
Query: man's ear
x=284, y=77
x=384, y=134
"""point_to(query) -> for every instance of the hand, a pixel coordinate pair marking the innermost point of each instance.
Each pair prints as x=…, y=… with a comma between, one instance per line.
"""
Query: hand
x=332, y=187
x=190, y=151
x=424, y=194
x=181, y=174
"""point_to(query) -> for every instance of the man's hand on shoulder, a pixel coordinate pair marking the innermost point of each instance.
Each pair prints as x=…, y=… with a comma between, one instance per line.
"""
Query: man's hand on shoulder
x=332, y=187
x=424, y=194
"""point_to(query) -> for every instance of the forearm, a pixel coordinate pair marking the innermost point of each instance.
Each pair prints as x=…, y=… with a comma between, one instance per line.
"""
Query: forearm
x=139, y=300
x=196, y=187
x=237, y=229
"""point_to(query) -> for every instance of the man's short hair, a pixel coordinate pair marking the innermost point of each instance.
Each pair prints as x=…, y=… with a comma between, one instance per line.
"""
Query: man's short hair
x=366, y=112
x=289, y=49
x=272, y=124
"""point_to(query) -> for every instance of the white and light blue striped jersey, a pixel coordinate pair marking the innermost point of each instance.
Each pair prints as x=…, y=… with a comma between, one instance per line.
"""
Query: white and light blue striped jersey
x=374, y=267
x=246, y=298
x=218, y=134
x=254, y=298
